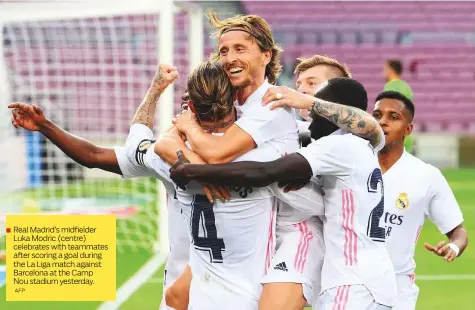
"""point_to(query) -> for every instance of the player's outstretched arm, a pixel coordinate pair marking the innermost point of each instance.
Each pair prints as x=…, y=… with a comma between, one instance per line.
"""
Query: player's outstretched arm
x=164, y=76
x=85, y=153
x=458, y=237
x=214, y=149
x=445, y=213
x=246, y=173
x=350, y=119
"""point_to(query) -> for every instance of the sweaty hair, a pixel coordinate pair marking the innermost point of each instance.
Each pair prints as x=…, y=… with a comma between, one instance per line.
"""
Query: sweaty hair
x=338, y=69
x=343, y=91
x=389, y=94
x=396, y=65
x=210, y=91
x=259, y=30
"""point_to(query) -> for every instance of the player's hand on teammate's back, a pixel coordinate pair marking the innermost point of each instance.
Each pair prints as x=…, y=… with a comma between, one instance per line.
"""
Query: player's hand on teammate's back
x=286, y=96
x=185, y=121
x=165, y=75
x=178, y=174
x=442, y=249
x=30, y=117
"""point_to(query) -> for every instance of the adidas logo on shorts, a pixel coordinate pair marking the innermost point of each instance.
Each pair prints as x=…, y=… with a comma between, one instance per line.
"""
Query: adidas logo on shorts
x=281, y=266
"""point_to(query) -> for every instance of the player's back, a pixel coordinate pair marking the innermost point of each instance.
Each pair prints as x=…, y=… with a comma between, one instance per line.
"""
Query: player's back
x=354, y=204
x=232, y=241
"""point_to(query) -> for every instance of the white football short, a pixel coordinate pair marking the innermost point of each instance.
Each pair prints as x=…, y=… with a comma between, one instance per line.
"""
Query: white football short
x=348, y=297
x=179, y=256
x=407, y=292
x=207, y=294
x=299, y=256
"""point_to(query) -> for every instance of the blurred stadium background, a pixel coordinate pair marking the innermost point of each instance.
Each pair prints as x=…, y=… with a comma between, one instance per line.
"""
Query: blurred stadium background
x=89, y=70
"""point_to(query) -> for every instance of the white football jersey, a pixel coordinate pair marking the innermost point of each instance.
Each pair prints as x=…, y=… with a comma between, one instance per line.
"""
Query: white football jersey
x=232, y=241
x=414, y=190
x=277, y=128
x=138, y=159
x=354, y=206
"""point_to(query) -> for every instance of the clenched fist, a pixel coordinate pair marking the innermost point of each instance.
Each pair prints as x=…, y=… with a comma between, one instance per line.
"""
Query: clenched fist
x=165, y=75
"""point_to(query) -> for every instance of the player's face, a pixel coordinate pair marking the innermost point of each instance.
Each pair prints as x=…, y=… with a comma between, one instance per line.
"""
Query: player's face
x=309, y=80
x=394, y=119
x=242, y=59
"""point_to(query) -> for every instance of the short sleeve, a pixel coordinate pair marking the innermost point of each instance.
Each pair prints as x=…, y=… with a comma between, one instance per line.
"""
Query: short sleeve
x=330, y=156
x=308, y=199
x=443, y=209
x=131, y=157
x=263, y=124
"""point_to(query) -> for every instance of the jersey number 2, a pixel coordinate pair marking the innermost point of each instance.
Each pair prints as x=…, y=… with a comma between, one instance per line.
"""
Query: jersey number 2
x=374, y=231
x=202, y=215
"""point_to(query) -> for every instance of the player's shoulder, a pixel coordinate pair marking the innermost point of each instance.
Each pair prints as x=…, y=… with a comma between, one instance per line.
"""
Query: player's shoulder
x=425, y=170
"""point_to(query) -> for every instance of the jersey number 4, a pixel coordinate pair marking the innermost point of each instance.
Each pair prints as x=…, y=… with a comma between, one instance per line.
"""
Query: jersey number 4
x=202, y=215
x=374, y=231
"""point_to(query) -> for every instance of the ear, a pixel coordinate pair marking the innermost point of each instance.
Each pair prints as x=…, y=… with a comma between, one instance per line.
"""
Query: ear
x=408, y=130
x=267, y=55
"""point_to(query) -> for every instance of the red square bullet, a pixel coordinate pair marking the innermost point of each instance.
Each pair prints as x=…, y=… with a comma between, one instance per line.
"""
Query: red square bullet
x=9, y=230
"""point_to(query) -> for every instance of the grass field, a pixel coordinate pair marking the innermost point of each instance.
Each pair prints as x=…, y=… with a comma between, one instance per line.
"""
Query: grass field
x=442, y=285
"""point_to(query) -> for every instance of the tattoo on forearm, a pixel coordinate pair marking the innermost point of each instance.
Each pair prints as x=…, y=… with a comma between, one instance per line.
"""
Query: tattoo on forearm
x=146, y=111
x=350, y=119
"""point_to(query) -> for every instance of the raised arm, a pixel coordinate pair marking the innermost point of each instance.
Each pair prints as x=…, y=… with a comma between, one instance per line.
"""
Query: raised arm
x=214, y=149
x=145, y=114
x=350, y=119
x=85, y=153
x=255, y=174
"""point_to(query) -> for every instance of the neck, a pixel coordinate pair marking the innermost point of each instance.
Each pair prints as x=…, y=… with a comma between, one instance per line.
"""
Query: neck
x=245, y=92
x=394, y=77
x=388, y=156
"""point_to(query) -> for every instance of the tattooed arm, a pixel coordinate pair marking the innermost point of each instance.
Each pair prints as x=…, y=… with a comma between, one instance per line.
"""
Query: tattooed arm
x=350, y=119
x=146, y=111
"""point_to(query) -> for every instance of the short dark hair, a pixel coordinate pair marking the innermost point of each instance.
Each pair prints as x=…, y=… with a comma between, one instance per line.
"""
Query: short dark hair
x=341, y=90
x=389, y=94
x=396, y=65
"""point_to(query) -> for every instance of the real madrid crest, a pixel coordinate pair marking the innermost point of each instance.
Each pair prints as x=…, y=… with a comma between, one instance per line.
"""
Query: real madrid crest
x=402, y=202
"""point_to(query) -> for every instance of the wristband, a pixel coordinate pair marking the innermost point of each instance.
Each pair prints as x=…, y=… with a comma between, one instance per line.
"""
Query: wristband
x=455, y=248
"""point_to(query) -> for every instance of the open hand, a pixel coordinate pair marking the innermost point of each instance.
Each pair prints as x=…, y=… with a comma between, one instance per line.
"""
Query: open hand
x=29, y=117
x=285, y=96
x=442, y=249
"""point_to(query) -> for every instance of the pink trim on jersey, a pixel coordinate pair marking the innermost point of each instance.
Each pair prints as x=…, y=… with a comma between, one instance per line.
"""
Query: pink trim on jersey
x=412, y=278
x=302, y=251
x=270, y=242
x=341, y=297
x=350, y=249
x=418, y=234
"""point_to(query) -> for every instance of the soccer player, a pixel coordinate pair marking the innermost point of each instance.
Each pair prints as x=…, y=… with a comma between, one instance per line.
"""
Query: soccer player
x=250, y=57
x=357, y=271
x=129, y=161
x=413, y=191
